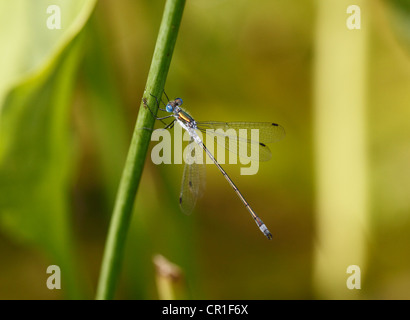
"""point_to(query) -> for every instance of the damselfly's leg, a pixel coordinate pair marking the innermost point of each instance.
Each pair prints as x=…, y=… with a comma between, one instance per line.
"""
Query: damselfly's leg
x=170, y=125
x=166, y=96
x=171, y=115
x=156, y=99
x=144, y=100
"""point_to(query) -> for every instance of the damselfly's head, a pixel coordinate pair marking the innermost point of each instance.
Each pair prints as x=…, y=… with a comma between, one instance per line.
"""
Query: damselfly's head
x=172, y=104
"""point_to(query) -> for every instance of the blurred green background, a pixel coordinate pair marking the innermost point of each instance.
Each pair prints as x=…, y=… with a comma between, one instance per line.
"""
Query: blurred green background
x=68, y=104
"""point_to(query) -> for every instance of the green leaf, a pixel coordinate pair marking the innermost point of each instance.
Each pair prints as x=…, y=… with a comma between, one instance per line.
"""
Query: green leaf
x=28, y=44
x=38, y=68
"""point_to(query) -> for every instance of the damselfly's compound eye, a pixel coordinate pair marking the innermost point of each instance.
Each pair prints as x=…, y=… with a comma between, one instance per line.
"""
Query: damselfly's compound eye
x=169, y=108
x=178, y=101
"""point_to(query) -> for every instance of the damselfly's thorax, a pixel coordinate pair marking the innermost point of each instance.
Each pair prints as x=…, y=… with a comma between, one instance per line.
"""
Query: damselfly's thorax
x=180, y=115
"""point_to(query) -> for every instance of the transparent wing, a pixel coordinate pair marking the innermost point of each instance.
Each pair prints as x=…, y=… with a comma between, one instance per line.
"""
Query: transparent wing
x=244, y=145
x=268, y=132
x=193, y=178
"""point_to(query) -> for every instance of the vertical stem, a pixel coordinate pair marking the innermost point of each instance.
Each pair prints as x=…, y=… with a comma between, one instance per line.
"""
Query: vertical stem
x=115, y=243
x=340, y=130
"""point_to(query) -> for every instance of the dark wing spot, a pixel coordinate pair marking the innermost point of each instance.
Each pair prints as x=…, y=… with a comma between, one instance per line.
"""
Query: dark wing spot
x=180, y=200
x=274, y=124
x=190, y=183
x=262, y=144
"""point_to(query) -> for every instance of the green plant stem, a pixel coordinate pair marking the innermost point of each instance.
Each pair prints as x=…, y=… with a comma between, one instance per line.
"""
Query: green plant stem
x=115, y=243
x=340, y=149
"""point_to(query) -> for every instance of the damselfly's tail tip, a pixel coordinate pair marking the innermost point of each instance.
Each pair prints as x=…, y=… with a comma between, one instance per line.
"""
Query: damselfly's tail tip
x=265, y=231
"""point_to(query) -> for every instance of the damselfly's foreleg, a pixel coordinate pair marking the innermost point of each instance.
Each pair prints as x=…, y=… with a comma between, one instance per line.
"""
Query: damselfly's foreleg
x=167, y=125
x=156, y=99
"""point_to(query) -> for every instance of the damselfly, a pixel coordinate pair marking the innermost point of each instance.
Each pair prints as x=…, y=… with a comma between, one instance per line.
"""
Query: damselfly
x=268, y=132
